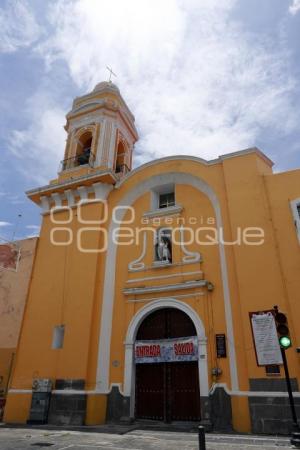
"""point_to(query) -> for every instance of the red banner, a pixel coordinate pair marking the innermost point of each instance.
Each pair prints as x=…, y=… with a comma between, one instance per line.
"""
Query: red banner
x=169, y=350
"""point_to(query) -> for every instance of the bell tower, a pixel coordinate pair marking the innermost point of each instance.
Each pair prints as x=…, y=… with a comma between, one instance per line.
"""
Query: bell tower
x=100, y=138
x=101, y=133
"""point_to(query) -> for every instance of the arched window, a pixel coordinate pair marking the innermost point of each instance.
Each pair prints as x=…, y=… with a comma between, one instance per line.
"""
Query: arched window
x=83, y=149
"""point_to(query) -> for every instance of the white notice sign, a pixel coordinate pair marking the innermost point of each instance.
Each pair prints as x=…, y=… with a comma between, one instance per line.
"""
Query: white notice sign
x=265, y=339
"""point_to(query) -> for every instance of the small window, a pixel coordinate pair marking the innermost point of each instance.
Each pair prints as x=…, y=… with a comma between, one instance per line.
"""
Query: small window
x=273, y=370
x=163, y=246
x=166, y=200
x=58, y=337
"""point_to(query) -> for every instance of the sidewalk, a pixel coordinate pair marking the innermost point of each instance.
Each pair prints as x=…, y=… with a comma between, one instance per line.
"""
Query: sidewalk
x=114, y=437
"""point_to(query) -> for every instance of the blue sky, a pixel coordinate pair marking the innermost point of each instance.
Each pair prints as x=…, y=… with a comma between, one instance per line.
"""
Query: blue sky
x=203, y=77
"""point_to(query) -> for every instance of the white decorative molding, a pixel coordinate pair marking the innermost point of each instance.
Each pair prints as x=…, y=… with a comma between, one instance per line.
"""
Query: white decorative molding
x=251, y=393
x=45, y=203
x=82, y=190
x=190, y=256
x=99, y=152
x=71, y=182
x=270, y=394
x=161, y=212
x=247, y=151
x=162, y=277
x=101, y=190
x=112, y=146
x=294, y=207
x=137, y=264
x=70, y=197
x=129, y=369
x=165, y=287
x=158, y=265
x=161, y=264
x=176, y=297
x=105, y=329
x=57, y=199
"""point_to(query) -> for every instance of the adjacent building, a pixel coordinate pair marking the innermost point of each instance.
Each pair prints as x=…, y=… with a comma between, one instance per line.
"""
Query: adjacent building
x=144, y=279
x=16, y=260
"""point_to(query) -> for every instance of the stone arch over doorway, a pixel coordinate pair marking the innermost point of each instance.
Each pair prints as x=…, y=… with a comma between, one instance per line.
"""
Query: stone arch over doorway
x=140, y=316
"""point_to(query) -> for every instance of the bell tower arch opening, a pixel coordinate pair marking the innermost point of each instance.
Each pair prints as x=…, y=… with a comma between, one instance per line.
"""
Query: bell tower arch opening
x=121, y=159
x=84, y=148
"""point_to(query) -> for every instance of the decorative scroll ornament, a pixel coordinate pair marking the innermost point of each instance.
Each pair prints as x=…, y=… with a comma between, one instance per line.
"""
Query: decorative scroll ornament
x=189, y=257
x=137, y=264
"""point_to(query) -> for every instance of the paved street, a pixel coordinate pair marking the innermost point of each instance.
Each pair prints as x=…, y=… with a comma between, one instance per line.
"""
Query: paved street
x=28, y=438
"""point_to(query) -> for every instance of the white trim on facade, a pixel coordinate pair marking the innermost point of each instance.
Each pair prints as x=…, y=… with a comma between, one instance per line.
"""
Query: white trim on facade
x=82, y=190
x=156, y=265
x=129, y=369
x=190, y=257
x=45, y=203
x=101, y=190
x=215, y=386
x=163, y=277
x=57, y=197
x=69, y=193
x=103, y=365
x=165, y=287
x=202, y=161
x=176, y=297
x=137, y=264
x=161, y=212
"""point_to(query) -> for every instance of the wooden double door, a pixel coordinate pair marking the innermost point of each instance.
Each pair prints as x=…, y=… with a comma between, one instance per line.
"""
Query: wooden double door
x=167, y=391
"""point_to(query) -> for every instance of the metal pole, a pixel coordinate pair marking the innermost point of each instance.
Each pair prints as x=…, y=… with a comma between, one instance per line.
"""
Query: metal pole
x=295, y=434
x=201, y=436
x=289, y=387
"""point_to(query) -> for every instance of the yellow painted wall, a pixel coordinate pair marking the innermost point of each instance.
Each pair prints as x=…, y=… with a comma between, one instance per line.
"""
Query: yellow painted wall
x=96, y=409
x=67, y=285
x=17, y=408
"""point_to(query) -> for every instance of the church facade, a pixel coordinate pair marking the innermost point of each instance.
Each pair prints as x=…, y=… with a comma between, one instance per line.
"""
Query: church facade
x=144, y=279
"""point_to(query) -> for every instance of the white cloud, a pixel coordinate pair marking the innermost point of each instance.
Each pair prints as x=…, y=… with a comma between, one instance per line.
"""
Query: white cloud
x=35, y=230
x=33, y=227
x=196, y=80
x=18, y=27
x=5, y=224
x=294, y=7
x=39, y=148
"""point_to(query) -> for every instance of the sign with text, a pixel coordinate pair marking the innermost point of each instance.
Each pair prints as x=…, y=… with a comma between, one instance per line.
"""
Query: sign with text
x=265, y=338
x=171, y=350
x=221, y=345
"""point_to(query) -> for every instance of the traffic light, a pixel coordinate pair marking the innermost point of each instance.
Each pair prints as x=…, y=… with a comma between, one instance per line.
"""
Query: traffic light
x=282, y=328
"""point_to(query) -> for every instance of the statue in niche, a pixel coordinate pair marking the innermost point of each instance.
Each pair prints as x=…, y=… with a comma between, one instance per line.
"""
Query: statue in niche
x=163, y=248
